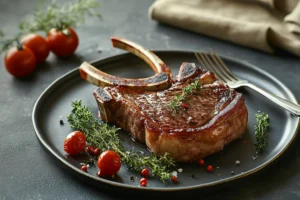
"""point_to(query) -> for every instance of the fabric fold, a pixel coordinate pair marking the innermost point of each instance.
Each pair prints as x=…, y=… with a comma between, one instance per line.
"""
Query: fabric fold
x=293, y=20
x=255, y=24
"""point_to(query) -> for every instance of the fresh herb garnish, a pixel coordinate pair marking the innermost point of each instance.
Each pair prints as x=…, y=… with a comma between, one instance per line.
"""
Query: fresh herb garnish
x=55, y=16
x=105, y=137
x=6, y=43
x=261, y=131
x=59, y=16
x=189, y=89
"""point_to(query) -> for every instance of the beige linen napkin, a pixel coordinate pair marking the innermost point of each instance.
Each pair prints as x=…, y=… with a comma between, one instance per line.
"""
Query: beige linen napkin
x=260, y=24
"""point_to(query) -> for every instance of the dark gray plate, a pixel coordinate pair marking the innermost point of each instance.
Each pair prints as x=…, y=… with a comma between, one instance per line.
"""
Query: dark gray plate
x=56, y=101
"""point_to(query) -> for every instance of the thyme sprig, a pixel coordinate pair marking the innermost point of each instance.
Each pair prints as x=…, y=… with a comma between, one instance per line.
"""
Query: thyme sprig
x=59, y=16
x=261, y=129
x=179, y=98
x=104, y=136
x=53, y=16
x=6, y=43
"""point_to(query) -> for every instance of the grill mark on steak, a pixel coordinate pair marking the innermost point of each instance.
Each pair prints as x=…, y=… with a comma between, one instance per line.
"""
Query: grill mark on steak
x=155, y=105
x=216, y=115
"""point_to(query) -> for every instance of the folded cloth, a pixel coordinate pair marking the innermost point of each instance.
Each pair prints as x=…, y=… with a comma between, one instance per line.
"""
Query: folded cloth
x=260, y=24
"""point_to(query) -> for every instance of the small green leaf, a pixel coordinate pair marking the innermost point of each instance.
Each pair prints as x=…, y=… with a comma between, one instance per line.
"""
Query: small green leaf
x=189, y=89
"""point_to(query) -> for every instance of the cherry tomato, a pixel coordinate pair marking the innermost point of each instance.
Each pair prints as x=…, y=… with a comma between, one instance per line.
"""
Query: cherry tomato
x=20, y=62
x=174, y=179
x=84, y=168
x=201, y=162
x=109, y=163
x=75, y=143
x=145, y=173
x=96, y=152
x=62, y=43
x=91, y=149
x=209, y=168
x=38, y=45
x=143, y=182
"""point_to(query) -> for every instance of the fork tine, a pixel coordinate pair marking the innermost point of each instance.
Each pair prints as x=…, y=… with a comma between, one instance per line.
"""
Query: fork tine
x=222, y=65
x=205, y=62
x=200, y=60
x=217, y=71
x=220, y=68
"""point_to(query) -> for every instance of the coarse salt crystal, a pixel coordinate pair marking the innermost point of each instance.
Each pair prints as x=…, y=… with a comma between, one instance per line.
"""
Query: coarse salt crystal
x=237, y=162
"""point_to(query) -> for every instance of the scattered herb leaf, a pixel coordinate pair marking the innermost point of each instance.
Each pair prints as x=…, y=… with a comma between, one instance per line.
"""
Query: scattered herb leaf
x=187, y=90
x=104, y=136
x=261, y=131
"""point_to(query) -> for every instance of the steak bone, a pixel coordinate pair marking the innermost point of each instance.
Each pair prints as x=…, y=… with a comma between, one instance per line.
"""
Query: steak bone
x=161, y=80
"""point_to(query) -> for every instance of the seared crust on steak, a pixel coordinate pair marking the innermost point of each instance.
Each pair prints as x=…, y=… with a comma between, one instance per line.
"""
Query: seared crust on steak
x=215, y=115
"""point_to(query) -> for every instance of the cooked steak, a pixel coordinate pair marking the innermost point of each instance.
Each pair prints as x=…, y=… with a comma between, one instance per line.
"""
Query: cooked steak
x=212, y=116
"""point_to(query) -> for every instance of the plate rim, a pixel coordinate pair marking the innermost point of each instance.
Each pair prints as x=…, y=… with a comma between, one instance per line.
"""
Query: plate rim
x=157, y=189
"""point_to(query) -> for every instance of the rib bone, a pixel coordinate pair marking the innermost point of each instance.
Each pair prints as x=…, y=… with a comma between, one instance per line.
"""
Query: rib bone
x=161, y=80
x=153, y=60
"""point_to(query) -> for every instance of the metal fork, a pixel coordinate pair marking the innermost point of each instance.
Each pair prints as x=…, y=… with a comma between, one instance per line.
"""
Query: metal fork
x=214, y=63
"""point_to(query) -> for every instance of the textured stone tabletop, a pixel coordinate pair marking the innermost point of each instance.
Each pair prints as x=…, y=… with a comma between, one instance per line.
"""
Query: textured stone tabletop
x=29, y=172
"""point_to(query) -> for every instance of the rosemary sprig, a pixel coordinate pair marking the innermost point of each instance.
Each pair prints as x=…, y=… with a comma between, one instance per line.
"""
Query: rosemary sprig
x=261, y=131
x=189, y=89
x=59, y=16
x=104, y=136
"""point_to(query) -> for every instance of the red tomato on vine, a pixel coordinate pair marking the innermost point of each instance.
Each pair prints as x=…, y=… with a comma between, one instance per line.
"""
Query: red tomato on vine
x=62, y=42
x=20, y=61
x=38, y=45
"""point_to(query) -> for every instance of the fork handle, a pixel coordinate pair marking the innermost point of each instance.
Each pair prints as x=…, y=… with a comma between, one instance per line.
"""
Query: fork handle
x=292, y=107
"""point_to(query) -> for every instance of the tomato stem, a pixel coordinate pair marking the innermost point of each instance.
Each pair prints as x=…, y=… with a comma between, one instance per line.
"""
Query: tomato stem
x=66, y=32
x=19, y=45
x=61, y=26
x=6, y=43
